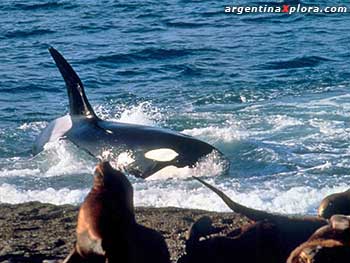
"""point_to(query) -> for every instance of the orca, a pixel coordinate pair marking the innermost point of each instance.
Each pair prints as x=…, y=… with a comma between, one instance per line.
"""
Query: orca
x=145, y=149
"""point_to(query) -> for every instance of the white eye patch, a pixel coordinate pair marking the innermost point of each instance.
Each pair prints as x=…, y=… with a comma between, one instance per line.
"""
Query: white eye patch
x=161, y=155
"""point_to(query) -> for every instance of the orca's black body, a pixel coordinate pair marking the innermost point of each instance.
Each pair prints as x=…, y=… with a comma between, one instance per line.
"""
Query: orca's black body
x=152, y=148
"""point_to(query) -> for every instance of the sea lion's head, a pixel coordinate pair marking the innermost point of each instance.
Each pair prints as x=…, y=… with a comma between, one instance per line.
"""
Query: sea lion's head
x=330, y=243
x=338, y=203
x=114, y=182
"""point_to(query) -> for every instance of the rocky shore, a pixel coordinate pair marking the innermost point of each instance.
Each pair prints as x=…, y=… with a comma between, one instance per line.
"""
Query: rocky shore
x=36, y=232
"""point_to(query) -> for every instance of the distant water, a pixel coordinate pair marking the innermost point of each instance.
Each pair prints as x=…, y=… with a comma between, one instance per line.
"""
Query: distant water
x=271, y=91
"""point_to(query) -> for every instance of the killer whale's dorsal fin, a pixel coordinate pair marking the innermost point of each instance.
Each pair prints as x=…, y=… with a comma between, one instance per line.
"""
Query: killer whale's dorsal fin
x=78, y=102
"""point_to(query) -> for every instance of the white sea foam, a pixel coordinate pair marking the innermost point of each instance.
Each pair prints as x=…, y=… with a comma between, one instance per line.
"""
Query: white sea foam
x=147, y=114
x=59, y=158
x=10, y=194
x=188, y=194
x=144, y=114
x=19, y=172
x=330, y=127
x=297, y=200
x=141, y=114
x=215, y=134
x=65, y=158
x=35, y=126
x=280, y=122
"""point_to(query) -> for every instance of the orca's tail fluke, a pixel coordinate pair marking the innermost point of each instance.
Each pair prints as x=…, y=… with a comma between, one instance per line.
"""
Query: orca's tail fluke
x=78, y=102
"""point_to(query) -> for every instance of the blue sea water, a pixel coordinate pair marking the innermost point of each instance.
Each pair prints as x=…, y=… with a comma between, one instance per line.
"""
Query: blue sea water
x=271, y=91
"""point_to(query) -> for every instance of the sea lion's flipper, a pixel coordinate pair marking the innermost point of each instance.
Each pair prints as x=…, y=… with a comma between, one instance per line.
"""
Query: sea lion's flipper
x=73, y=257
x=201, y=228
x=78, y=102
x=253, y=214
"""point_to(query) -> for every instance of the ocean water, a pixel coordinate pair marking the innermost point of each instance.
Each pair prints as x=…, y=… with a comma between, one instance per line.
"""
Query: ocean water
x=271, y=91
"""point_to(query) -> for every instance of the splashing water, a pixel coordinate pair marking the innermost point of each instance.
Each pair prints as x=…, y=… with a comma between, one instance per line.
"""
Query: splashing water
x=283, y=122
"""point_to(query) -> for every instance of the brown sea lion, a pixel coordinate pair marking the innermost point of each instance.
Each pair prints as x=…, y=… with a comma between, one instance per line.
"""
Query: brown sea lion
x=107, y=230
x=292, y=230
x=333, y=204
x=258, y=242
x=330, y=243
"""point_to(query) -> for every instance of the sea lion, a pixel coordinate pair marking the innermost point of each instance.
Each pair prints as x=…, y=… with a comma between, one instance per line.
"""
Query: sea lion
x=338, y=203
x=107, y=230
x=292, y=230
x=330, y=243
x=144, y=149
x=251, y=243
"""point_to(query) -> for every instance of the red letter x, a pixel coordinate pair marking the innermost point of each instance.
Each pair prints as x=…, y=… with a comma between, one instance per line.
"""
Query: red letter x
x=285, y=8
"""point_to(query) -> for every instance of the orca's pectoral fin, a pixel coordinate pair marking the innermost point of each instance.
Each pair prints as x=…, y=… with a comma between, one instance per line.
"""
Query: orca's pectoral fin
x=78, y=102
x=98, y=158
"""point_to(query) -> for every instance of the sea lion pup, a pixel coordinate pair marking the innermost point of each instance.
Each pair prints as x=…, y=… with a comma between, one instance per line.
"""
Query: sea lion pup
x=249, y=244
x=107, y=230
x=292, y=230
x=333, y=204
x=330, y=243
